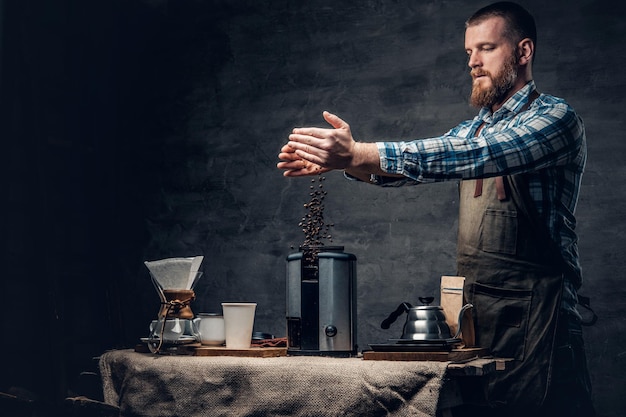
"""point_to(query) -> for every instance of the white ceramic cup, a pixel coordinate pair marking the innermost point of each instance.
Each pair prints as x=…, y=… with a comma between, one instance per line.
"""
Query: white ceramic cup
x=238, y=324
x=211, y=329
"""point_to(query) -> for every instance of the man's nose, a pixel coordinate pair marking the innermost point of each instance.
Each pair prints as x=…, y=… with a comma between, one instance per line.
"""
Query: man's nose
x=473, y=61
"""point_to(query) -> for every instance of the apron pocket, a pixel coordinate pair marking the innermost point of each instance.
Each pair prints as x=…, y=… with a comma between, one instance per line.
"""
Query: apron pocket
x=501, y=319
x=499, y=231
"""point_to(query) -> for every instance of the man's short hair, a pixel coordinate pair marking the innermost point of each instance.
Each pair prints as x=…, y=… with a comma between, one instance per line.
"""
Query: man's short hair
x=519, y=23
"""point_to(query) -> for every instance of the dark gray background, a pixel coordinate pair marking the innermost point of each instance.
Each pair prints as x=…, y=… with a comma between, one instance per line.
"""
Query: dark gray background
x=140, y=130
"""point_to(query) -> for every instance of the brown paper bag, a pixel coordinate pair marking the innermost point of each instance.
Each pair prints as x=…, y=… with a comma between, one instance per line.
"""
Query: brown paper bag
x=452, y=300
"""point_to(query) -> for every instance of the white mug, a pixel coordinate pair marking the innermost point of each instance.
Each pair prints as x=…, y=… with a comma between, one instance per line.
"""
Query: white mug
x=211, y=329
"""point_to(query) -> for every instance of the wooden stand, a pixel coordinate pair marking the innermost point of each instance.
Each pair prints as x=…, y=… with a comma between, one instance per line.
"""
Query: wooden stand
x=196, y=349
x=253, y=352
x=453, y=355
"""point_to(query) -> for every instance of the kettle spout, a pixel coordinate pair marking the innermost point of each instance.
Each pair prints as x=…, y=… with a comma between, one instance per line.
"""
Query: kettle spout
x=402, y=308
x=460, y=321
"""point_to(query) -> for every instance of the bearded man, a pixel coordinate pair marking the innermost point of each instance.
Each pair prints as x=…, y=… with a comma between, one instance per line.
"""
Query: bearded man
x=520, y=162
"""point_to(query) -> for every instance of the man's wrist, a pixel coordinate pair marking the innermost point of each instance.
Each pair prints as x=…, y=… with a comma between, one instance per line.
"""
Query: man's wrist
x=364, y=157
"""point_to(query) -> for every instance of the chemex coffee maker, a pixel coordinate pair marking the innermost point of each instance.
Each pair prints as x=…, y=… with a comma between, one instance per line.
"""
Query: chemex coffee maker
x=174, y=279
x=321, y=302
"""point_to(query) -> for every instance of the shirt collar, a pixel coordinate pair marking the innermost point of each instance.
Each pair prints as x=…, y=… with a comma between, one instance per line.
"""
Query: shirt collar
x=512, y=105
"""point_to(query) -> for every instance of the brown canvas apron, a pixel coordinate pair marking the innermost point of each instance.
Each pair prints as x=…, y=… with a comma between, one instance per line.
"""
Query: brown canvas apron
x=514, y=279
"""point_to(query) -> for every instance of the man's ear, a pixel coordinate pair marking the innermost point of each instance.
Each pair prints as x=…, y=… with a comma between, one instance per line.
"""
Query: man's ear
x=525, y=50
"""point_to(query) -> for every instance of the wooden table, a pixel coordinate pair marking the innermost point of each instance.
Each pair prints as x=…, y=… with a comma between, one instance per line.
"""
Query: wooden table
x=143, y=384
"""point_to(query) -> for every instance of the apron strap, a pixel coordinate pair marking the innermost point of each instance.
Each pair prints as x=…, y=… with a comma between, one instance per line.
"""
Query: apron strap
x=478, y=190
x=500, y=191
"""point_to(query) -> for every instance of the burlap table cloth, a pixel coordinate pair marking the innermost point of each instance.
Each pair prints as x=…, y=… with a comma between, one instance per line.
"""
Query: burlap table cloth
x=143, y=384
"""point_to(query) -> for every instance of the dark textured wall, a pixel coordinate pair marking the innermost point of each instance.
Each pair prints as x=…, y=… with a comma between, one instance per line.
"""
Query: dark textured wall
x=149, y=129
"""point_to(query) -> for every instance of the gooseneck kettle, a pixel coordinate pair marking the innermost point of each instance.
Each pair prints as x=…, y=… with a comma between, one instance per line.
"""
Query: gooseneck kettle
x=424, y=322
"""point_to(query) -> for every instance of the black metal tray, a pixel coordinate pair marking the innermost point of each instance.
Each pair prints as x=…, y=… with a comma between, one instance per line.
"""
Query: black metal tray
x=407, y=345
x=451, y=341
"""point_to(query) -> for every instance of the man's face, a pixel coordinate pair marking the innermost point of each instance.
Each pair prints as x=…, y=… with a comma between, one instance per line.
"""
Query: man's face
x=493, y=63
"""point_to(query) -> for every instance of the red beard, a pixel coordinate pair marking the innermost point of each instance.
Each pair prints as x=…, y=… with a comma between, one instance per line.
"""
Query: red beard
x=501, y=84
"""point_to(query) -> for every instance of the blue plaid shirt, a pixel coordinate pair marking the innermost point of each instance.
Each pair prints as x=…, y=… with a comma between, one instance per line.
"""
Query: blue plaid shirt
x=547, y=142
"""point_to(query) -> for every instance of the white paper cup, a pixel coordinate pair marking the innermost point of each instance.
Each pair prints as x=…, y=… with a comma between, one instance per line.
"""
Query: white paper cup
x=238, y=324
x=211, y=329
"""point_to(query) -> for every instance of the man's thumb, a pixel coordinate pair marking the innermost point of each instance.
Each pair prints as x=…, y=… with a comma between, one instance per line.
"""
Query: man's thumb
x=334, y=121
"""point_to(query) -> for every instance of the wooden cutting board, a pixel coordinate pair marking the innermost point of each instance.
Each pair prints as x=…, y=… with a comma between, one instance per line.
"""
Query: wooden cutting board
x=444, y=356
x=196, y=349
x=253, y=352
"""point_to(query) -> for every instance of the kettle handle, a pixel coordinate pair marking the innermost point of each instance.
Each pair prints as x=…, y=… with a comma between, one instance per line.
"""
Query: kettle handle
x=460, y=321
x=402, y=308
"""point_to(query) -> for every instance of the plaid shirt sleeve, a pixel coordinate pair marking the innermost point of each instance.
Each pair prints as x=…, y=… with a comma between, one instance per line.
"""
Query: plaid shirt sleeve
x=548, y=134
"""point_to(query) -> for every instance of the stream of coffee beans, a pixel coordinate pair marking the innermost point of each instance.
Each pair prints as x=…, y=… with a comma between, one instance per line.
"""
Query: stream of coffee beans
x=313, y=225
x=315, y=229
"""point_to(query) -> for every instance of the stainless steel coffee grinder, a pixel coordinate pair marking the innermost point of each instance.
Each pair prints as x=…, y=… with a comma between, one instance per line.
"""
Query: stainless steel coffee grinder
x=321, y=302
